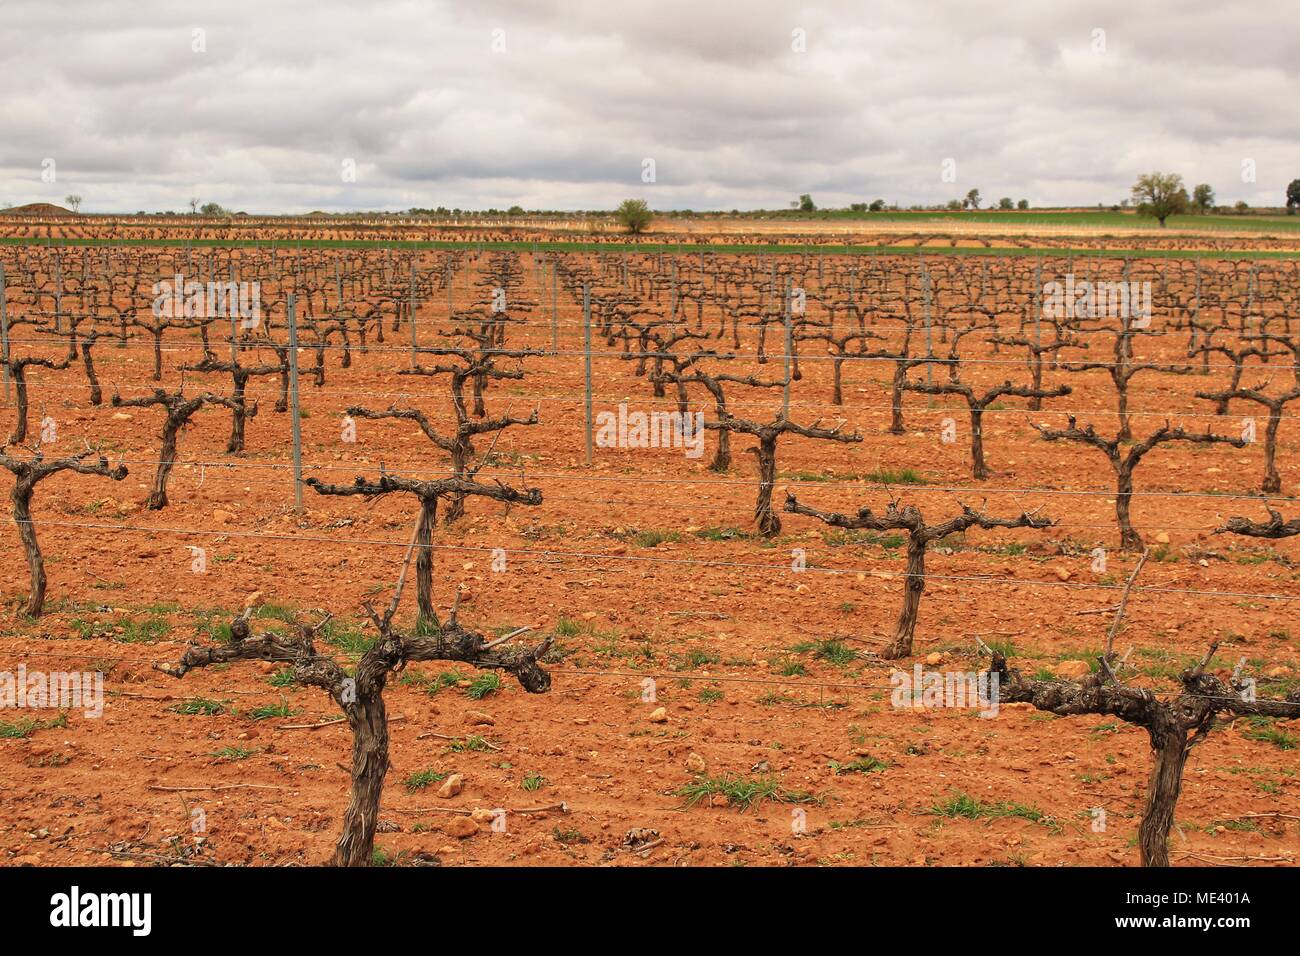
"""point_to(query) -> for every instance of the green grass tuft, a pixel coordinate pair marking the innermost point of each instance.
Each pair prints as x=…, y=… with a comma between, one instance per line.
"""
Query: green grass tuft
x=964, y=806
x=740, y=791
x=423, y=778
x=894, y=476
x=267, y=711
x=27, y=726
x=486, y=683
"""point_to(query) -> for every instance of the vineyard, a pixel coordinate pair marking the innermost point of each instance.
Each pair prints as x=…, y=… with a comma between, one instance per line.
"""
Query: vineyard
x=465, y=554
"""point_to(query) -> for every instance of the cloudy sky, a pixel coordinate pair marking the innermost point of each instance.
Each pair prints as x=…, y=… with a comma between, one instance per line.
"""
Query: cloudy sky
x=269, y=106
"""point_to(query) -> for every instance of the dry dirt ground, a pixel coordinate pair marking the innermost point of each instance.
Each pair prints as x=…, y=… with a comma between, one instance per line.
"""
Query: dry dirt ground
x=645, y=566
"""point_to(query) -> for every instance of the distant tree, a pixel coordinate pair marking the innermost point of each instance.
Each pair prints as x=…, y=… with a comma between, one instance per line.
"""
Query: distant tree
x=212, y=209
x=1160, y=195
x=634, y=215
x=194, y=206
x=515, y=211
x=1006, y=203
x=1203, y=197
x=1241, y=206
x=806, y=203
x=74, y=201
x=973, y=199
x=857, y=207
x=1292, y=197
x=877, y=205
x=956, y=204
x=1023, y=204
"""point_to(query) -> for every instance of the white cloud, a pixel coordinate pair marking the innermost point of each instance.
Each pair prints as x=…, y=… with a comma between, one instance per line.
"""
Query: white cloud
x=585, y=89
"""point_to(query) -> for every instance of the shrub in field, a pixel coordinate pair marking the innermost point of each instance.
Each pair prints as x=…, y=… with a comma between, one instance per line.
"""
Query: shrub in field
x=634, y=215
x=713, y=382
x=476, y=367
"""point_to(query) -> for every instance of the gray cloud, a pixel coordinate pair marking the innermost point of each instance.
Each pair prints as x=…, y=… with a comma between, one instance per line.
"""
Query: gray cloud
x=1016, y=93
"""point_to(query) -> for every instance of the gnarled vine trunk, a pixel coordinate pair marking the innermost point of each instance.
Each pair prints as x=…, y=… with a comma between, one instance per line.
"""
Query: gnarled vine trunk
x=769, y=525
x=913, y=588
x=21, y=496
x=369, y=722
x=1169, y=753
